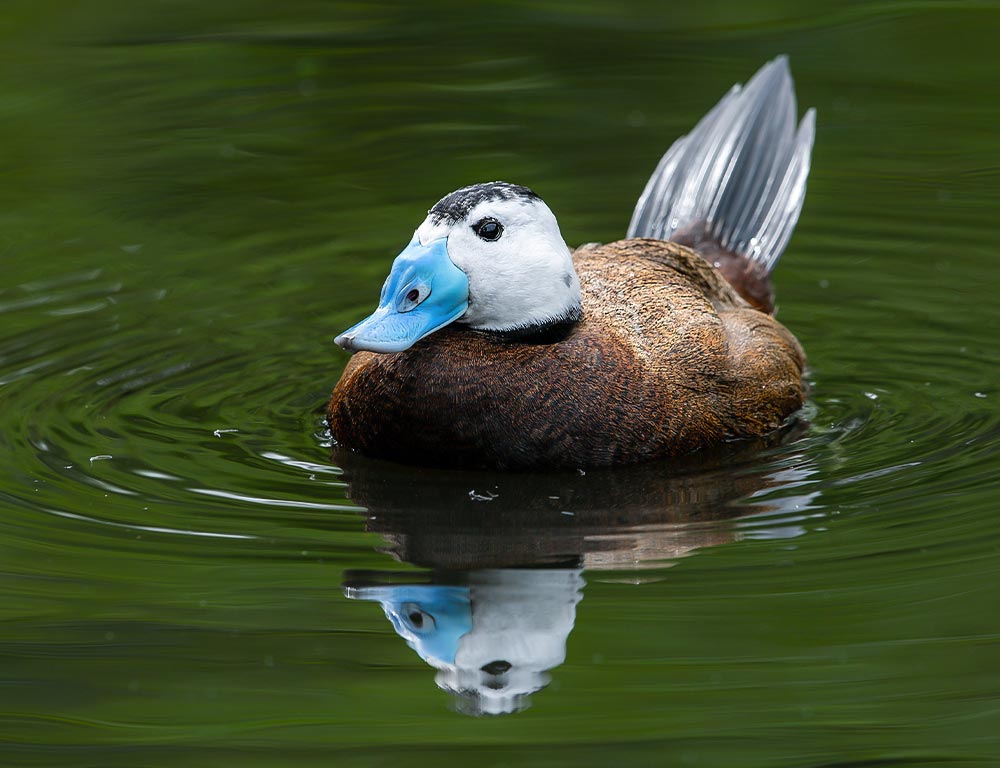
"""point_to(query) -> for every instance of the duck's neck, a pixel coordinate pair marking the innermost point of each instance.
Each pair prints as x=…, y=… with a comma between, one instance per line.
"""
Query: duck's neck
x=547, y=331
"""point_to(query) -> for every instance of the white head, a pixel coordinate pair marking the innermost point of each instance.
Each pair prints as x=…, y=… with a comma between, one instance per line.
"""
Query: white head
x=507, y=242
x=489, y=256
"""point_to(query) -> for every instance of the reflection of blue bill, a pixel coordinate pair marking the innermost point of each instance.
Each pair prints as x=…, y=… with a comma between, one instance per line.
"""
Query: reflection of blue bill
x=431, y=618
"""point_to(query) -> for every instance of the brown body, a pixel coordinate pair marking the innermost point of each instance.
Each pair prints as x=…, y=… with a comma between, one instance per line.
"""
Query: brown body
x=668, y=359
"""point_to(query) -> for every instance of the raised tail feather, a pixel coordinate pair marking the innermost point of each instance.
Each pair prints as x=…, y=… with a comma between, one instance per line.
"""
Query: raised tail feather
x=736, y=182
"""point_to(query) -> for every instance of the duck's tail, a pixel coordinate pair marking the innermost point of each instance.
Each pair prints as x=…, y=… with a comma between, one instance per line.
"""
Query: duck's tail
x=734, y=186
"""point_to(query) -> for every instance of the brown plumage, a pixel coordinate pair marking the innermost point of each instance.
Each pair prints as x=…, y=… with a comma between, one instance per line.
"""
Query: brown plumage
x=668, y=359
x=665, y=346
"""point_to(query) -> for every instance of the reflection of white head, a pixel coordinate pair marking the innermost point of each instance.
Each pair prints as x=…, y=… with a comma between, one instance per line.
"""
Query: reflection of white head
x=493, y=641
x=520, y=622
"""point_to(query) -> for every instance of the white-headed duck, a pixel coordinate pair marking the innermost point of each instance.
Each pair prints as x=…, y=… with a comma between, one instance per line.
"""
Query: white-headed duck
x=495, y=345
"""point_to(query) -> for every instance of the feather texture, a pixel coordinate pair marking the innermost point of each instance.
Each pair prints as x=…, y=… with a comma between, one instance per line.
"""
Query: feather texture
x=738, y=179
x=666, y=360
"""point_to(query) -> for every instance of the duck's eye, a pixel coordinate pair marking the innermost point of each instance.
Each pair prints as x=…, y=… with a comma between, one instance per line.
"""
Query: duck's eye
x=413, y=295
x=488, y=229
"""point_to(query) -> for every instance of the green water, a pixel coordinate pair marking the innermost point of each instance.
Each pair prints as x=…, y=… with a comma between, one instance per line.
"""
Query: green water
x=196, y=197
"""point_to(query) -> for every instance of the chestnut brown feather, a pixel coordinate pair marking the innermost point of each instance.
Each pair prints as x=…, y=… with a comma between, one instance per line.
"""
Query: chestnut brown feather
x=668, y=359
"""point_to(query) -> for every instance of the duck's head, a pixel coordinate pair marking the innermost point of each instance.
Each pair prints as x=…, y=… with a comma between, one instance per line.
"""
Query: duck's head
x=490, y=257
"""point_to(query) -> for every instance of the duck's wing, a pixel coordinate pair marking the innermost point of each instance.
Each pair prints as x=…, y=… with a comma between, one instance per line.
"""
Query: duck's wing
x=736, y=183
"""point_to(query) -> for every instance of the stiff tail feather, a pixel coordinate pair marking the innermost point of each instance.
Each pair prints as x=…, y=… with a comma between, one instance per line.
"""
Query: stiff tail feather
x=736, y=182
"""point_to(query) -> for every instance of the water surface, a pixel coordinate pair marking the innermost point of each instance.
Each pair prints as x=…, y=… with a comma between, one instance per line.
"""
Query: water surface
x=197, y=197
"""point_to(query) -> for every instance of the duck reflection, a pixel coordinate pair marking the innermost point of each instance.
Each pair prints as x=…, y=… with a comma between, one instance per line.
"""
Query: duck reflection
x=493, y=637
x=506, y=554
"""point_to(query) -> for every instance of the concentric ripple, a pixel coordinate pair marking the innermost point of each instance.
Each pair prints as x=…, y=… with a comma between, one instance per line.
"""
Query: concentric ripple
x=122, y=424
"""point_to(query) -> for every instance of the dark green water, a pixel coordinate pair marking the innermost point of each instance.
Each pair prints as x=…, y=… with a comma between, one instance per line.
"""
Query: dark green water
x=196, y=197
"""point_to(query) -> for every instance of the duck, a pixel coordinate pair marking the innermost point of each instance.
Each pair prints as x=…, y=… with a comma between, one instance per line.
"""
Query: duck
x=494, y=345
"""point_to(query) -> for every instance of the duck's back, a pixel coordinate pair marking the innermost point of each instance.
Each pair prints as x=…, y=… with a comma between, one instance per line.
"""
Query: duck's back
x=667, y=360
